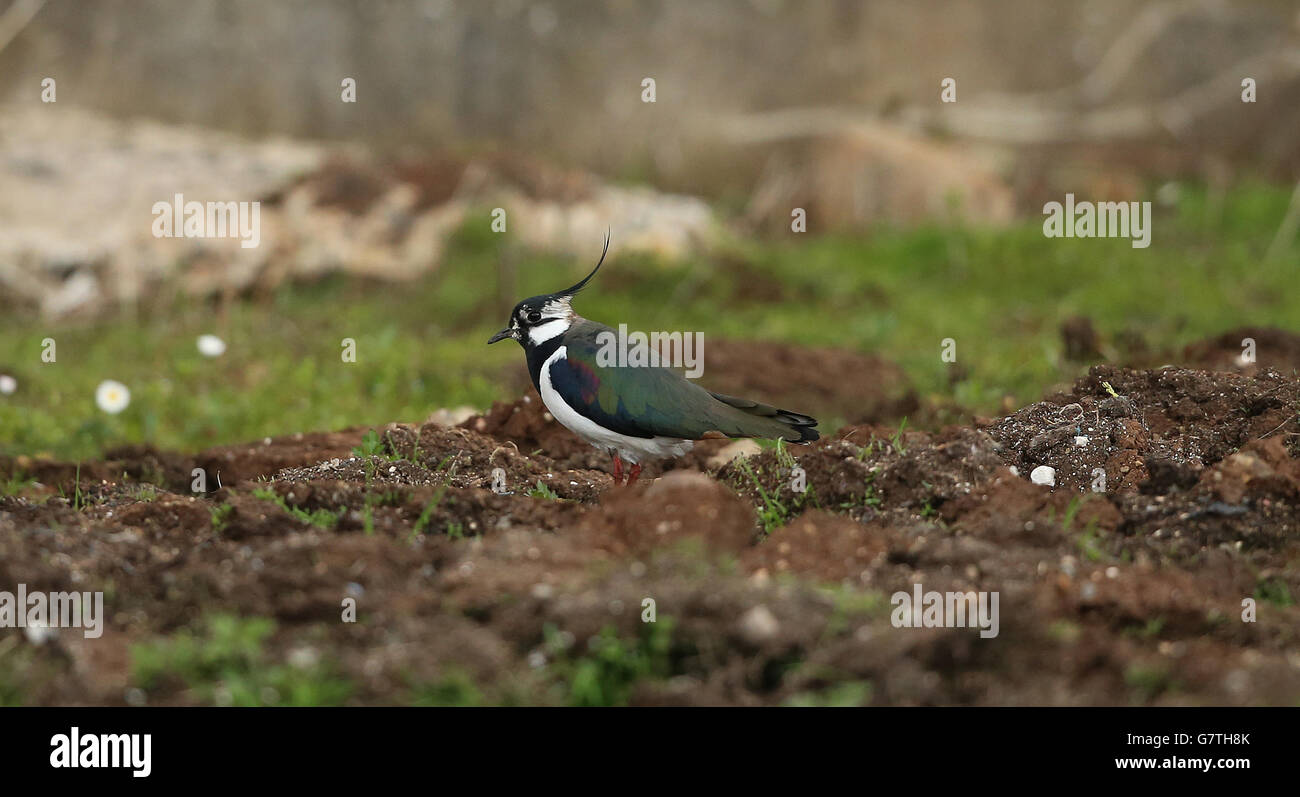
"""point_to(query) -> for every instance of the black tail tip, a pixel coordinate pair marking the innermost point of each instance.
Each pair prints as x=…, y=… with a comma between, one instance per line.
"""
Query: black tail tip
x=806, y=435
x=802, y=425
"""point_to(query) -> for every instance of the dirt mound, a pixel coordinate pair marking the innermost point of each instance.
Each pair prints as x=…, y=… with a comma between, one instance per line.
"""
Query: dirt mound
x=1118, y=426
x=490, y=563
x=1273, y=348
x=526, y=423
x=824, y=382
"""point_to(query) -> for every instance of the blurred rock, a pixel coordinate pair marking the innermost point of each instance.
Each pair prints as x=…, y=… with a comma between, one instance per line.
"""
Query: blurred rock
x=740, y=448
x=1080, y=339
x=81, y=240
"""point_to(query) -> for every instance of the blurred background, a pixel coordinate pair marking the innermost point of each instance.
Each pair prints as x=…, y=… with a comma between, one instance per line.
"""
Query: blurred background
x=923, y=218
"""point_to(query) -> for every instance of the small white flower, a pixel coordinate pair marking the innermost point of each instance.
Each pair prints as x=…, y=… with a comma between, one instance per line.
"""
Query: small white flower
x=112, y=397
x=8, y=384
x=211, y=346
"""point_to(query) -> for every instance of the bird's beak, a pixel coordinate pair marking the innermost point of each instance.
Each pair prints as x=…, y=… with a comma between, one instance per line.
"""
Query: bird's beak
x=508, y=332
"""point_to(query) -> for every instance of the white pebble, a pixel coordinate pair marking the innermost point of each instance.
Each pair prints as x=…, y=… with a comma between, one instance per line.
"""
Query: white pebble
x=1043, y=475
x=759, y=625
x=1080, y=441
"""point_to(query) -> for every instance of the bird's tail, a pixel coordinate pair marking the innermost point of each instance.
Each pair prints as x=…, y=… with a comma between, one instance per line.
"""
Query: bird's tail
x=761, y=420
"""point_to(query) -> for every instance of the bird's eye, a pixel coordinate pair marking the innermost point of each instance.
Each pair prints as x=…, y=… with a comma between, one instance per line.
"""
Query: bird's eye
x=534, y=317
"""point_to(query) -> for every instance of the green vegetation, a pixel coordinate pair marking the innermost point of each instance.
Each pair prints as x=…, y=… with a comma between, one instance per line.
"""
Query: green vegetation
x=221, y=516
x=227, y=664
x=773, y=514
x=1090, y=543
x=370, y=445
x=1000, y=294
x=454, y=689
x=323, y=518
x=609, y=670
x=841, y=695
x=426, y=514
x=1149, y=681
x=543, y=492
x=1274, y=591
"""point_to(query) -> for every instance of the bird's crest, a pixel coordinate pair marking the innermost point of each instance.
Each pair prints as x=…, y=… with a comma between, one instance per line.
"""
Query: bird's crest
x=569, y=292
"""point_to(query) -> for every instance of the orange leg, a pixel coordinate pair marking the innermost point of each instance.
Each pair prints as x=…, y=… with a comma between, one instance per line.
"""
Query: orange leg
x=636, y=471
x=618, y=470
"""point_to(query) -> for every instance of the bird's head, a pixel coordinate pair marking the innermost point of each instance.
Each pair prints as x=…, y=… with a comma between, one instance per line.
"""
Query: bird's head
x=537, y=319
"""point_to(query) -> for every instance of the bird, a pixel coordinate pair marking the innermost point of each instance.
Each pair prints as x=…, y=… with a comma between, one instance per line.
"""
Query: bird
x=638, y=413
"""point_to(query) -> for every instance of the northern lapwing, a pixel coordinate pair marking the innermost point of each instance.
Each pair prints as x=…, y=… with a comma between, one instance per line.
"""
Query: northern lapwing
x=637, y=413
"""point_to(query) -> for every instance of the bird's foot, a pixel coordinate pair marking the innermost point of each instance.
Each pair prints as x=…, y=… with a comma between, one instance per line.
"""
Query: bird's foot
x=618, y=470
x=631, y=478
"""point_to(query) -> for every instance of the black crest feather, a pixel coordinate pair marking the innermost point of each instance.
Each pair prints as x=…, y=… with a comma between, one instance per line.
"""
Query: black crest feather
x=571, y=291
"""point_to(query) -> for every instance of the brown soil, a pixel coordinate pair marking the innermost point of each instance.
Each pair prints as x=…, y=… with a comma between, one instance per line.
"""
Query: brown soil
x=536, y=592
x=1274, y=348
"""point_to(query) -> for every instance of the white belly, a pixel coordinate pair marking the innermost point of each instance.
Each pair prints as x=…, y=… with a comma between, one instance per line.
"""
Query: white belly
x=632, y=449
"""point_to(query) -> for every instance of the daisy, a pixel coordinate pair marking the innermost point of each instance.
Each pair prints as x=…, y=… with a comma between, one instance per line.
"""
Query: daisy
x=112, y=397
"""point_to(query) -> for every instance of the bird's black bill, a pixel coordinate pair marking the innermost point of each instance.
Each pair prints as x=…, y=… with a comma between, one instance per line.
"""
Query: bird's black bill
x=502, y=335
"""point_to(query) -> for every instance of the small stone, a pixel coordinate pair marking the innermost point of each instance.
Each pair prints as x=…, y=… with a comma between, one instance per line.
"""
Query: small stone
x=758, y=625
x=1080, y=440
x=1043, y=474
x=304, y=658
x=453, y=417
x=744, y=447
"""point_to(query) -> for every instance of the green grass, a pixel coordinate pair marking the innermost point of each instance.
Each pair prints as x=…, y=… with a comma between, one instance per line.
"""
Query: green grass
x=1274, y=591
x=226, y=664
x=322, y=518
x=1000, y=294
x=454, y=689
x=608, y=671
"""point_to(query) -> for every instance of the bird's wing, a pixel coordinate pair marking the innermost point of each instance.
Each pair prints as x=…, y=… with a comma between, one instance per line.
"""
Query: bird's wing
x=659, y=402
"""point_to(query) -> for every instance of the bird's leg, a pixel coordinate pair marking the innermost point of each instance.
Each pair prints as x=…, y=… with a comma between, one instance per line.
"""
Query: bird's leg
x=618, y=470
x=631, y=478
